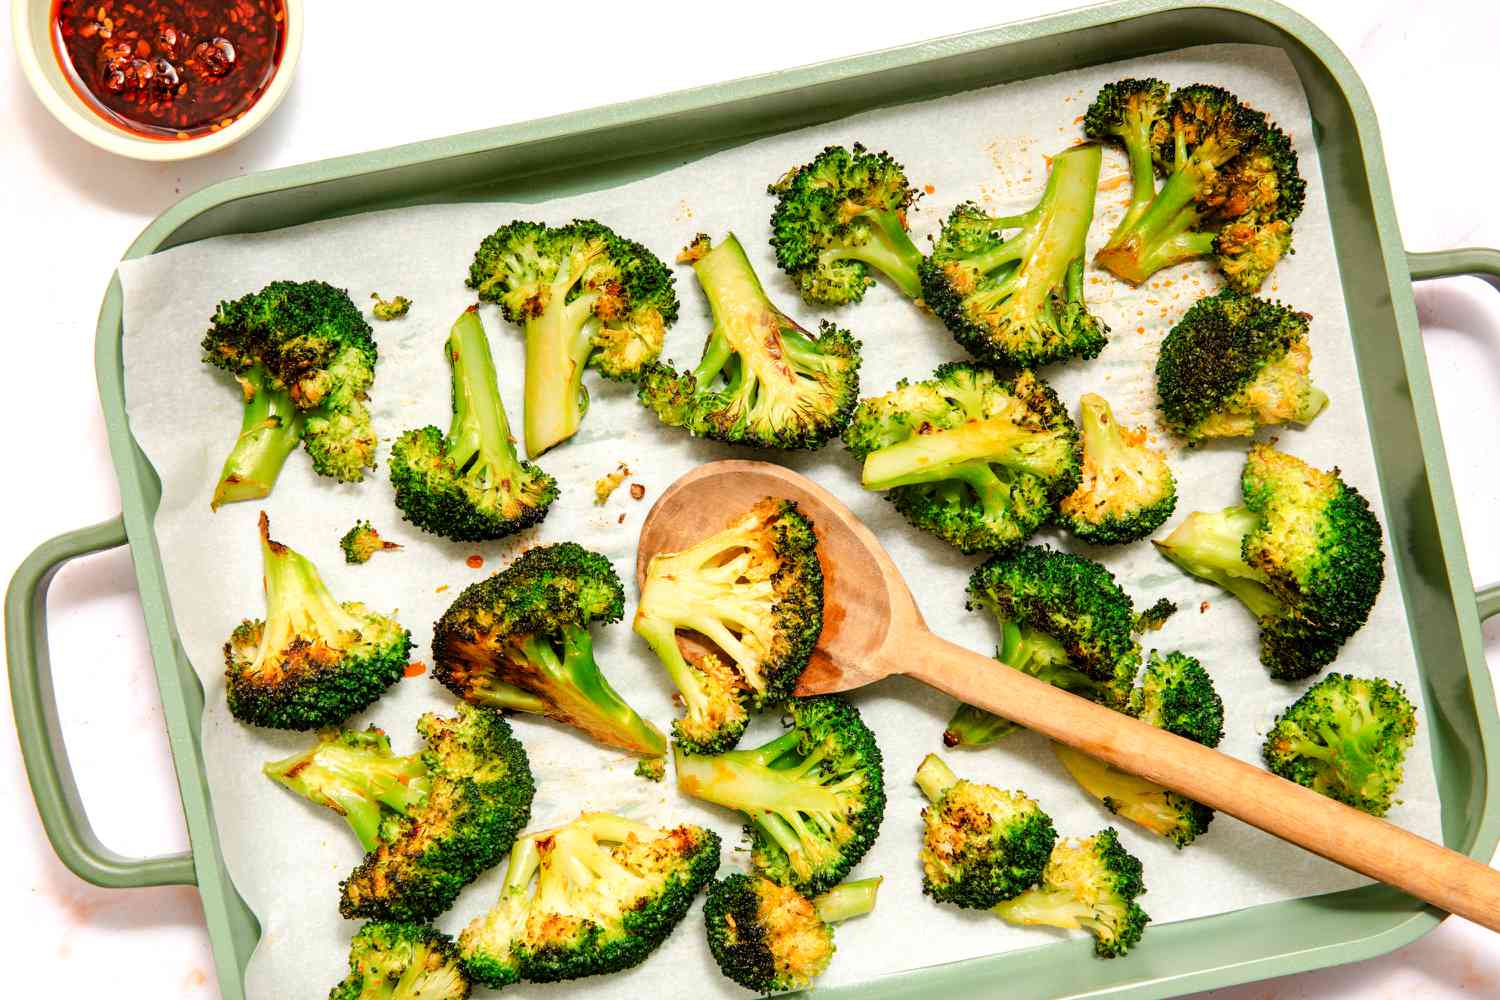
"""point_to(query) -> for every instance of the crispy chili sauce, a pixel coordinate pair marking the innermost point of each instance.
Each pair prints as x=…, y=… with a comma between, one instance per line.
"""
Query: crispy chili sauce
x=169, y=69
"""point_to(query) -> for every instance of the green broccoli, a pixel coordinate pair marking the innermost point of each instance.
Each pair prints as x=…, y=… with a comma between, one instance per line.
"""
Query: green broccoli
x=1235, y=363
x=1345, y=738
x=304, y=358
x=469, y=486
x=1232, y=186
x=755, y=590
x=1304, y=554
x=1090, y=884
x=312, y=662
x=586, y=297
x=362, y=541
x=608, y=892
x=430, y=823
x=392, y=308
x=839, y=216
x=400, y=961
x=651, y=768
x=815, y=795
x=975, y=457
x=1019, y=301
x=763, y=380
x=1126, y=490
x=520, y=640
x=1154, y=617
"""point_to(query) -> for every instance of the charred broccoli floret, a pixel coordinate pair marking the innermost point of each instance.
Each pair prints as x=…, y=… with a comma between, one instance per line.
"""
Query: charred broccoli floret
x=755, y=590
x=1019, y=301
x=1090, y=884
x=586, y=297
x=312, y=662
x=398, y=961
x=392, y=308
x=763, y=380
x=1304, y=554
x=972, y=456
x=608, y=891
x=362, y=541
x=469, y=486
x=841, y=215
x=1126, y=490
x=815, y=795
x=520, y=640
x=1155, y=616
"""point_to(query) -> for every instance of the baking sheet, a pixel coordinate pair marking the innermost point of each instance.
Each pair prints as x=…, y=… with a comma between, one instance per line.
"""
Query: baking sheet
x=286, y=856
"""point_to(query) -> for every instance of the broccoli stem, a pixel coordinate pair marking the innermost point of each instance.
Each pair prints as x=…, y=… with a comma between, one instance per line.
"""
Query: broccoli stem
x=1105, y=448
x=935, y=777
x=1210, y=545
x=269, y=432
x=480, y=433
x=973, y=728
x=956, y=453
x=558, y=342
x=746, y=780
x=661, y=636
x=1058, y=226
x=852, y=899
x=746, y=324
x=355, y=776
x=889, y=250
x=1136, y=135
x=1163, y=234
x=492, y=693
x=298, y=604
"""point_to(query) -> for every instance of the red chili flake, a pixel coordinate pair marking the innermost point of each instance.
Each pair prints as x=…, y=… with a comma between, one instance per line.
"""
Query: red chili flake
x=476, y=561
x=414, y=669
x=928, y=188
x=1203, y=608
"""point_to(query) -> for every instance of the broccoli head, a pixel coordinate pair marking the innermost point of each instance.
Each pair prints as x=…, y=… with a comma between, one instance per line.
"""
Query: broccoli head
x=1235, y=363
x=815, y=795
x=1304, y=554
x=402, y=961
x=1126, y=490
x=469, y=486
x=763, y=380
x=1018, y=301
x=755, y=590
x=608, y=891
x=1090, y=884
x=840, y=216
x=586, y=297
x=1345, y=738
x=362, y=541
x=975, y=457
x=520, y=640
x=312, y=662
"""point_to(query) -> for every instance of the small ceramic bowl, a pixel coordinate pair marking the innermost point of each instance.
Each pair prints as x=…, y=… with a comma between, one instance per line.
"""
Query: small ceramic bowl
x=31, y=26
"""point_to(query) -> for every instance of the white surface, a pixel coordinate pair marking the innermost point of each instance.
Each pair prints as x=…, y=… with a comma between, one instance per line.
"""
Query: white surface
x=71, y=210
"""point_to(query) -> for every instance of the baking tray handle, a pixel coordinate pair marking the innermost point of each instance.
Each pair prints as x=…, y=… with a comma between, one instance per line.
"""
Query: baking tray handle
x=37, y=728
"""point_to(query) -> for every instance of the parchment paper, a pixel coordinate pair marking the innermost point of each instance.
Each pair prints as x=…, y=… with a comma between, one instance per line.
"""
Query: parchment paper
x=287, y=856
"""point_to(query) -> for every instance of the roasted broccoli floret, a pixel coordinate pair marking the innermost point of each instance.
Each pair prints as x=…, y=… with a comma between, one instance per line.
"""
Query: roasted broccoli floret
x=1155, y=616
x=469, y=486
x=1232, y=186
x=755, y=590
x=1018, y=301
x=520, y=640
x=608, y=892
x=430, y=823
x=1304, y=554
x=975, y=457
x=763, y=380
x=312, y=662
x=1235, y=363
x=1345, y=738
x=392, y=308
x=770, y=938
x=841, y=215
x=815, y=795
x=1126, y=490
x=586, y=297
x=1090, y=884
x=402, y=961
x=362, y=541
x=304, y=359
x=981, y=845
x=1063, y=620
x=651, y=768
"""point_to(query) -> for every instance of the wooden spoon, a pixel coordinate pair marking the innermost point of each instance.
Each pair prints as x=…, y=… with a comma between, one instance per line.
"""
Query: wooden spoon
x=872, y=629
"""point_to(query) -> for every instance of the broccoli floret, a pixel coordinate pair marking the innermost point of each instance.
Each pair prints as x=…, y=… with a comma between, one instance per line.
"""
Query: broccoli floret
x=402, y=961
x=755, y=590
x=981, y=845
x=1126, y=490
x=1018, y=301
x=608, y=892
x=972, y=456
x=520, y=640
x=763, y=380
x=304, y=359
x=312, y=662
x=1154, y=617
x=841, y=215
x=362, y=541
x=605, y=486
x=392, y=308
x=1345, y=738
x=1235, y=363
x=1178, y=695
x=1304, y=554
x=586, y=297
x=1090, y=884
x=651, y=768
x=469, y=486
x=815, y=795
x=430, y=823
x=770, y=938
x=1232, y=187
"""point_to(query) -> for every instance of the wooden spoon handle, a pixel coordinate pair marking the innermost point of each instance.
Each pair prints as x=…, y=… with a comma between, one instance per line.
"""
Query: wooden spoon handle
x=1370, y=846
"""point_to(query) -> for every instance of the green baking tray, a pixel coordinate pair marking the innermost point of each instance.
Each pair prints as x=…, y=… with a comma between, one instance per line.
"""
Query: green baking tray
x=611, y=145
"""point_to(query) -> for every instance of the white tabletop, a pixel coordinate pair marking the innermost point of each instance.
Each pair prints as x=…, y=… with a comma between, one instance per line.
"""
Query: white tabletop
x=373, y=75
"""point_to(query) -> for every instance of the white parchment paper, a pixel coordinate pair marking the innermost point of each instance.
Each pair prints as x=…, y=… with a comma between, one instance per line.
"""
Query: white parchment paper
x=287, y=856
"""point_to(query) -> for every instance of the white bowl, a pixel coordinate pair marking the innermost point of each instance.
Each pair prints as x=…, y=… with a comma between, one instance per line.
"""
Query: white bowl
x=31, y=26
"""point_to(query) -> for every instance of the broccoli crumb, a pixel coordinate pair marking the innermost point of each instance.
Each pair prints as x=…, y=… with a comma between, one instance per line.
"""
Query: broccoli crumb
x=606, y=486
x=362, y=541
x=652, y=768
x=392, y=308
x=1154, y=617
